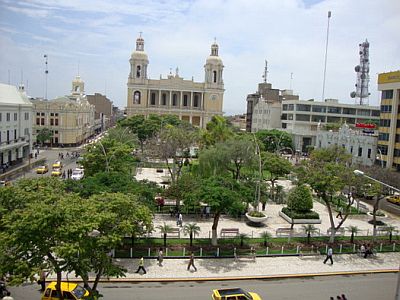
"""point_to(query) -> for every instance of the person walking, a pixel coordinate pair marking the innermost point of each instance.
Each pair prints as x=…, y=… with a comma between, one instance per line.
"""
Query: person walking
x=329, y=254
x=191, y=262
x=340, y=213
x=42, y=280
x=179, y=223
x=8, y=297
x=141, y=266
x=160, y=257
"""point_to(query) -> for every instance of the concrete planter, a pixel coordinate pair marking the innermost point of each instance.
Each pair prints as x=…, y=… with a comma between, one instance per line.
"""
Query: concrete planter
x=256, y=219
x=299, y=221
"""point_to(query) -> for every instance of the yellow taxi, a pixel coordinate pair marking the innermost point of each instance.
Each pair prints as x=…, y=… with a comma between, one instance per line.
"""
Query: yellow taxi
x=56, y=172
x=70, y=290
x=234, y=294
x=42, y=169
x=394, y=199
x=57, y=164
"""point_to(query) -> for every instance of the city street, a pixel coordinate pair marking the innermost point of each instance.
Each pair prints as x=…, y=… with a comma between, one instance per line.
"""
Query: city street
x=359, y=287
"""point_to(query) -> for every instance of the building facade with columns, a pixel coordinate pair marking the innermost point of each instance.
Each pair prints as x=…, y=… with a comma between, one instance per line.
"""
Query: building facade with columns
x=70, y=118
x=15, y=125
x=194, y=102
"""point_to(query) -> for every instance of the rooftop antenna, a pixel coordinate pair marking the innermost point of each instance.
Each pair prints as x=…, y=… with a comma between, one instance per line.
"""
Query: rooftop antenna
x=265, y=71
x=326, y=55
x=9, y=76
x=362, y=71
x=46, y=72
x=291, y=79
x=22, y=76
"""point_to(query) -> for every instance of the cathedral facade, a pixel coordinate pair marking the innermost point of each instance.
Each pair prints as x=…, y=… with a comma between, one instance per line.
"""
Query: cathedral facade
x=194, y=102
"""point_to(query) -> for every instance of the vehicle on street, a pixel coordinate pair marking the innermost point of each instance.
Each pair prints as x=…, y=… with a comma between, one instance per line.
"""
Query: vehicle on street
x=394, y=199
x=77, y=174
x=70, y=290
x=57, y=165
x=56, y=172
x=42, y=169
x=234, y=294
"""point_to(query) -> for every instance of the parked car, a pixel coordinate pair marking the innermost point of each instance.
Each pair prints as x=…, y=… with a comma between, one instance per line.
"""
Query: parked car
x=234, y=294
x=77, y=174
x=70, y=291
x=42, y=169
x=394, y=199
x=56, y=172
x=57, y=165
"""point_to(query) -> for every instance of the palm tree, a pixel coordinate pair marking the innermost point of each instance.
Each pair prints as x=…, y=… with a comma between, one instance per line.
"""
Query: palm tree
x=265, y=235
x=390, y=230
x=165, y=229
x=242, y=237
x=192, y=229
x=354, y=230
x=309, y=229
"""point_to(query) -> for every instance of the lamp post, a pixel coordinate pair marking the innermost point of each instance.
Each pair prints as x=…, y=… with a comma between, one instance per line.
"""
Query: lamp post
x=361, y=173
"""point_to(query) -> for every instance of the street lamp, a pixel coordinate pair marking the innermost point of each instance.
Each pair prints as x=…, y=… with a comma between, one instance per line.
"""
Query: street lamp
x=361, y=173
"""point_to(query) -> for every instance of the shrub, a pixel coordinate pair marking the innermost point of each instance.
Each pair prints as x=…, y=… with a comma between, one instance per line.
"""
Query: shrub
x=300, y=215
x=256, y=214
x=300, y=199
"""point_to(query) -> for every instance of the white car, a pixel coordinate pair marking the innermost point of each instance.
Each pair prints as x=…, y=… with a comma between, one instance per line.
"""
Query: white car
x=77, y=174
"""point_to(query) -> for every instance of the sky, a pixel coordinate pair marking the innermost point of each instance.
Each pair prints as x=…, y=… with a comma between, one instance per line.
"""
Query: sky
x=96, y=38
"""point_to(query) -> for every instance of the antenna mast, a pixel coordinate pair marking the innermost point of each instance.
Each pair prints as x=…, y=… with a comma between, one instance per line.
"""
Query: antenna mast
x=326, y=55
x=265, y=71
x=46, y=72
x=362, y=71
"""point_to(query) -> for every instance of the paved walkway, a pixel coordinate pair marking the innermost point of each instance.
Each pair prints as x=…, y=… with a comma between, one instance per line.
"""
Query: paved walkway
x=176, y=269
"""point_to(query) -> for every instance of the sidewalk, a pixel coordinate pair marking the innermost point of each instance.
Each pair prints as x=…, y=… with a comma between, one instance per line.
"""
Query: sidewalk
x=263, y=267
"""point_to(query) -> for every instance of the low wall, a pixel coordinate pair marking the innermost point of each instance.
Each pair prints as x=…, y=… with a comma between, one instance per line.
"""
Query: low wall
x=299, y=221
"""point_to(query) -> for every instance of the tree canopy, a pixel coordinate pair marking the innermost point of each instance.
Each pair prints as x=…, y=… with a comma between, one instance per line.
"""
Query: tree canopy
x=274, y=140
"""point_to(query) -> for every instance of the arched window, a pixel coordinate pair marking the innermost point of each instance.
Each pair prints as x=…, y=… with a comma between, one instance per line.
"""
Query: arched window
x=174, y=99
x=164, y=99
x=214, y=76
x=138, y=71
x=136, y=97
x=196, y=100
x=153, y=99
x=185, y=100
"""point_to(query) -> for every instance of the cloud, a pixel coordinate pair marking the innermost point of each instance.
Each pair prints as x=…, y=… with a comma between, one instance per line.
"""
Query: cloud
x=290, y=34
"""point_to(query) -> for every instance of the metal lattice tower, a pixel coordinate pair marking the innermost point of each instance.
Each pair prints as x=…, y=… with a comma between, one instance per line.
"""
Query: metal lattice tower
x=362, y=71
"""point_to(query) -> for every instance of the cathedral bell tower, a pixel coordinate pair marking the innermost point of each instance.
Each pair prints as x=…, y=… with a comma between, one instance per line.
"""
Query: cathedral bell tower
x=139, y=62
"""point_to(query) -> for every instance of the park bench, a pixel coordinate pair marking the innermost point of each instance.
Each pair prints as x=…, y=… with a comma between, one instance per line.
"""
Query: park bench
x=229, y=232
x=174, y=233
x=339, y=232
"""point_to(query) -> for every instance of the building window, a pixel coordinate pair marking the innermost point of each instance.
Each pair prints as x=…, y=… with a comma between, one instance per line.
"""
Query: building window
x=288, y=107
x=164, y=99
x=303, y=107
x=351, y=149
x=333, y=119
x=375, y=113
x=214, y=76
x=349, y=111
x=138, y=71
x=153, y=99
x=56, y=114
x=37, y=121
x=383, y=136
x=8, y=117
x=51, y=114
x=396, y=153
x=196, y=101
x=42, y=121
x=51, y=122
x=56, y=122
x=318, y=108
x=384, y=123
x=1, y=116
x=15, y=116
x=388, y=94
x=369, y=153
x=316, y=118
x=42, y=114
x=363, y=112
x=185, y=100
x=26, y=131
x=26, y=116
x=334, y=110
x=397, y=138
x=300, y=117
x=38, y=113
x=359, y=151
x=174, y=99
x=386, y=108
x=136, y=97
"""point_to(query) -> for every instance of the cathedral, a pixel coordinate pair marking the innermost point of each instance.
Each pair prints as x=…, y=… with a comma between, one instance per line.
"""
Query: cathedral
x=194, y=102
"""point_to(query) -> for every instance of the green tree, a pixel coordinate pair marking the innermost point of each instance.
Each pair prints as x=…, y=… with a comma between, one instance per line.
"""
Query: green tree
x=276, y=167
x=191, y=229
x=300, y=199
x=222, y=195
x=165, y=229
x=44, y=135
x=122, y=135
x=265, y=235
x=354, y=230
x=325, y=172
x=274, y=140
x=217, y=131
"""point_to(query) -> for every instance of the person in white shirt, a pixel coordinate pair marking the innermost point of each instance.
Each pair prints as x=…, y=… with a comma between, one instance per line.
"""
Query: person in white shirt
x=329, y=254
x=8, y=297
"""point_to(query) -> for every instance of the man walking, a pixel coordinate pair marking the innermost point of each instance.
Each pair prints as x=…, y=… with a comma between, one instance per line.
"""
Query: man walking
x=191, y=262
x=329, y=254
x=141, y=266
x=8, y=297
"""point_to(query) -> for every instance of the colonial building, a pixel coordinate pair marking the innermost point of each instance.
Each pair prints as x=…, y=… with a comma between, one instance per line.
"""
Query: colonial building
x=104, y=110
x=195, y=102
x=15, y=125
x=358, y=142
x=389, y=129
x=70, y=118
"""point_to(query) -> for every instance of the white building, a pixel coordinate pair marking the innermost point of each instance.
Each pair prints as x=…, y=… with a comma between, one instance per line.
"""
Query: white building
x=361, y=145
x=301, y=118
x=15, y=125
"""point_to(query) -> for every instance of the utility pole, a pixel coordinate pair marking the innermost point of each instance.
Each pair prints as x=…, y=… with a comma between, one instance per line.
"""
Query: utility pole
x=46, y=72
x=326, y=56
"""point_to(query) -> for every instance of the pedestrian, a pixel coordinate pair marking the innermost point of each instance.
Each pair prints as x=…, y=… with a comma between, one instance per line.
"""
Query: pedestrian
x=42, y=280
x=344, y=297
x=8, y=296
x=331, y=298
x=368, y=251
x=63, y=174
x=141, y=266
x=329, y=254
x=179, y=223
x=208, y=210
x=35, y=155
x=338, y=298
x=340, y=213
x=362, y=250
x=160, y=257
x=191, y=262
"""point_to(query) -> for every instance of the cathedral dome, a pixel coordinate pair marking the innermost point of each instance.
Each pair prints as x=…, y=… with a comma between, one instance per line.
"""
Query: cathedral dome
x=139, y=53
x=214, y=59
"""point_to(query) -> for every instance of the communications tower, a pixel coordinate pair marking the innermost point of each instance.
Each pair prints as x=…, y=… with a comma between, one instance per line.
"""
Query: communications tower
x=361, y=93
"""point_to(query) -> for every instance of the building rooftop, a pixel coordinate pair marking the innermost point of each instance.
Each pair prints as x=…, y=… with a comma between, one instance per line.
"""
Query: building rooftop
x=9, y=94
